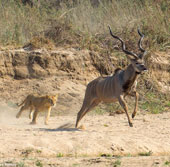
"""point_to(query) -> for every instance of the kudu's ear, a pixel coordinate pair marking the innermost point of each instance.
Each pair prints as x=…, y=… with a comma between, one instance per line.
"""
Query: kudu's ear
x=132, y=57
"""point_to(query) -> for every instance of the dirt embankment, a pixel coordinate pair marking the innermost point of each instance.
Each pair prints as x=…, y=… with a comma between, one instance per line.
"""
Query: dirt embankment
x=64, y=70
x=159, y=65
x=21, y=64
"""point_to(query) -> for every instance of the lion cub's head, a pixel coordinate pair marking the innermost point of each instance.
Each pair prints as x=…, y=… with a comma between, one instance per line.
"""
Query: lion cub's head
x=52, y=99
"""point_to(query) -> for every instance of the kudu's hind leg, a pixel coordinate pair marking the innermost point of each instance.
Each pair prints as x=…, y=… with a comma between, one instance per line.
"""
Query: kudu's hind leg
x=85, y=106
x=123, y=104
x=94, y=104
x=85, y=109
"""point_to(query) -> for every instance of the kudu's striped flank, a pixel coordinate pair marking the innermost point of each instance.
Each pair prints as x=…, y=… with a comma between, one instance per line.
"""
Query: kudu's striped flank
x=116, y=87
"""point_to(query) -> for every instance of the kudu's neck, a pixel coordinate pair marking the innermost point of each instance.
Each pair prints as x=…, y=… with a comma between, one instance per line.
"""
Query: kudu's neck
x=129, y=77
x=129, y=73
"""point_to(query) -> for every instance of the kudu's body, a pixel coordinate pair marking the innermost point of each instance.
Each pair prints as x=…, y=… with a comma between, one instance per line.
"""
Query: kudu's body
x=116, y=87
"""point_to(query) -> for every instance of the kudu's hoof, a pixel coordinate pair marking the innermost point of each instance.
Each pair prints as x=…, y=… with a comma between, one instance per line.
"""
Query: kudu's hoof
x=81, y=127
x=17, y=116
x=133, y=115
x=130, y=124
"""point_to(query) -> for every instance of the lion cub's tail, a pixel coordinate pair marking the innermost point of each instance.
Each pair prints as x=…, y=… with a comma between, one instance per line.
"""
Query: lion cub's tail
x=23, y=101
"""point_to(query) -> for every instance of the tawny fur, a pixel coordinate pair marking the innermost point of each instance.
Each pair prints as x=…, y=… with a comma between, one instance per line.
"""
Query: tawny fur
x=37, y=104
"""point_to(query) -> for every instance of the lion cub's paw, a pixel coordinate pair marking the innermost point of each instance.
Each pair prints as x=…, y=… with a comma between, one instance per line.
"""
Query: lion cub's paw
x=32, y=123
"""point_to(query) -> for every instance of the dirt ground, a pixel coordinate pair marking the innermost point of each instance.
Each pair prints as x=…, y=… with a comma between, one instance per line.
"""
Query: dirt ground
x=105, y=141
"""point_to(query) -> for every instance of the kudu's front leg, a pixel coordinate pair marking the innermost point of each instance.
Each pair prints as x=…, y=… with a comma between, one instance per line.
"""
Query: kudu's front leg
x=123, y=104
x=136, y=103
x=136, y=94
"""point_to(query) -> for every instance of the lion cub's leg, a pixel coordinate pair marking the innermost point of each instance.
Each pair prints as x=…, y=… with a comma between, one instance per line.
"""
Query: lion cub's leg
x=47, y=116
x=31, y=113
x=20, y=111
x=34, y=120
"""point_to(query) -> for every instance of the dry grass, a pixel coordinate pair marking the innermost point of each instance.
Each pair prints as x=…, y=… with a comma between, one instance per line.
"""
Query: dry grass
x=84, y=25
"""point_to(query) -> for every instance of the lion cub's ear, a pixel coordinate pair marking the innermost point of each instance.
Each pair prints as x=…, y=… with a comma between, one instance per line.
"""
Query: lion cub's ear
x=56, y=95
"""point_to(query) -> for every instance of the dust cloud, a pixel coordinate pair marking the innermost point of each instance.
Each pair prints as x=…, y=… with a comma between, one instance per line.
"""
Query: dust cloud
x=8, y=114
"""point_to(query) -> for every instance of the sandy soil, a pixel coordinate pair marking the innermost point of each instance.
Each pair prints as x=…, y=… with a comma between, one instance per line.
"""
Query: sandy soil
x=106, y=141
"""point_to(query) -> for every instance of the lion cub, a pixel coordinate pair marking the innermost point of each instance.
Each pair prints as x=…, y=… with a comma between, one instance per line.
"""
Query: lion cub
x=37, y=104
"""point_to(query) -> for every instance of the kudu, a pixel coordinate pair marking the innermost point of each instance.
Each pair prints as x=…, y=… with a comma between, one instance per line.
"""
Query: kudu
x=116, y=87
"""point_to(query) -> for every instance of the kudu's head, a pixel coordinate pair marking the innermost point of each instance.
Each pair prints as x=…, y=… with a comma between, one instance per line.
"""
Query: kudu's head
x=136, y=59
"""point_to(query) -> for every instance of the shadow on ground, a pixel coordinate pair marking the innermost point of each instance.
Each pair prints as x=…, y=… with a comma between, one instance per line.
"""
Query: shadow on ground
x=65, y=127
